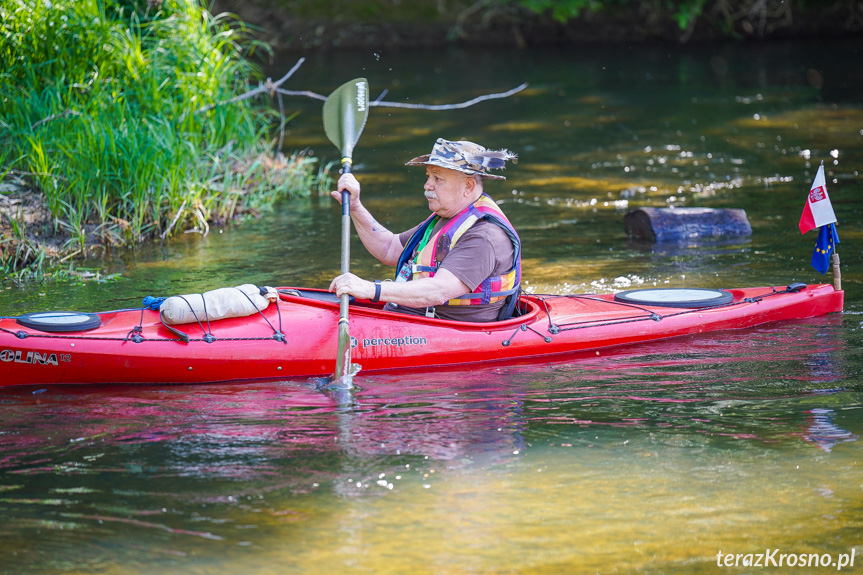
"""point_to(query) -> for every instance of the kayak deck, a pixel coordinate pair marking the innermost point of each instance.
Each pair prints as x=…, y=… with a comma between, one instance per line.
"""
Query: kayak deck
x=297, y=336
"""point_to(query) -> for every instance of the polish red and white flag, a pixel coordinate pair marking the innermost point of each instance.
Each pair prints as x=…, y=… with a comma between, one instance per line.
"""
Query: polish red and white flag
x=818, y=210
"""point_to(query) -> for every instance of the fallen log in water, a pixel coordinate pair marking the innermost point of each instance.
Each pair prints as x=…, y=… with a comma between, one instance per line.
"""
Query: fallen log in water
x=675, y=224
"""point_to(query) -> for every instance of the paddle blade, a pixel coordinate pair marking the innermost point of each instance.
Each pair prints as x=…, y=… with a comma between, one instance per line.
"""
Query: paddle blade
x=343, y=359
x=345, y=114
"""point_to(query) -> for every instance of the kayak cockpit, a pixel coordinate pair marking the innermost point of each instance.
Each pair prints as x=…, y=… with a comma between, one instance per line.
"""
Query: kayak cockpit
x=527, y=308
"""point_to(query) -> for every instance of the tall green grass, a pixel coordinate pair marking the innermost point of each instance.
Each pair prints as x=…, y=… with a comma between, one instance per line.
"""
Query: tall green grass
x=98, y=103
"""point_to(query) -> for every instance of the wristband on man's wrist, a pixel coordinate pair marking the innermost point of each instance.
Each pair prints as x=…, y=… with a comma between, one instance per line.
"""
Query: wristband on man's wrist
x=377, y=297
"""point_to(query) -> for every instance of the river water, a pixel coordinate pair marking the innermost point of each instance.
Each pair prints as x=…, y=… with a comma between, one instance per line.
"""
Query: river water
x=653, y=459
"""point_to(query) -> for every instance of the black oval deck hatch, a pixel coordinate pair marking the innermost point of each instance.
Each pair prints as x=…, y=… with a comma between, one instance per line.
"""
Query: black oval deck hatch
x=675, y=297
x=60, y=321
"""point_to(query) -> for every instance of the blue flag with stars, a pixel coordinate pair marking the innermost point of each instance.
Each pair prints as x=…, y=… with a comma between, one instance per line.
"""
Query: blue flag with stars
x=827, y=240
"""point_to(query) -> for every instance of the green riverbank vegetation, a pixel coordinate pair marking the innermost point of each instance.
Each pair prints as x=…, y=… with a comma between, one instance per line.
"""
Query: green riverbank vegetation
x=109, y=132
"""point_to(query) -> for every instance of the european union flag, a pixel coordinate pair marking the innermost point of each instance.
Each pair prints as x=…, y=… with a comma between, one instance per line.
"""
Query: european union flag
x=827, y=240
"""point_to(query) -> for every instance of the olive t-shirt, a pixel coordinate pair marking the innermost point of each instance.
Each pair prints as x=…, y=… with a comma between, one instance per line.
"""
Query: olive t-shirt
x=483, y=251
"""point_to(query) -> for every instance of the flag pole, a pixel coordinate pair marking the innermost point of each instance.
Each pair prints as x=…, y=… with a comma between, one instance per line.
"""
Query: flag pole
x=834, y=259
x=837, y=275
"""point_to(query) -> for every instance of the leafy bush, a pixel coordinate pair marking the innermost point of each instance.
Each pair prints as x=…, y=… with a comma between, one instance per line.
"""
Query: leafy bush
x=98, y=102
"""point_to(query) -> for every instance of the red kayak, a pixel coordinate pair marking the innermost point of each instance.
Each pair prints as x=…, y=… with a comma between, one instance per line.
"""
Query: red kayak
x=297, y=335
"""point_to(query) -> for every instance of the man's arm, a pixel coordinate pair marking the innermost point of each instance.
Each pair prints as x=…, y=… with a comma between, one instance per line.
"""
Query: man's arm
x=473, y=259
x=423, y=292
x=379, y=241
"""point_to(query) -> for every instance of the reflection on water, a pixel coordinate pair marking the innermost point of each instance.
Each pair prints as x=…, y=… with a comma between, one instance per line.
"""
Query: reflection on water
x=650, y=459
x=824, y=433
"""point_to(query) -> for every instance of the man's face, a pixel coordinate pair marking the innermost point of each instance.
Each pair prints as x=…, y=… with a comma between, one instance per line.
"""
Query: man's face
x=447, y=191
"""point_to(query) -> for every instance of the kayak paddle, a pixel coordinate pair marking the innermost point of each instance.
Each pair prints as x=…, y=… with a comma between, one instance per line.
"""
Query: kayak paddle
x=345, y=114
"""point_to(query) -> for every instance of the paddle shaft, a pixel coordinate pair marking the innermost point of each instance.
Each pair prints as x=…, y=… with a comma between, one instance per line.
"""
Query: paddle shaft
x=346, y=223
x=343, y=359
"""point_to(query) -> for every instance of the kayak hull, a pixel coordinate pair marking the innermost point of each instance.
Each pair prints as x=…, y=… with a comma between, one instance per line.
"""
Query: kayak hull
x=298, y=337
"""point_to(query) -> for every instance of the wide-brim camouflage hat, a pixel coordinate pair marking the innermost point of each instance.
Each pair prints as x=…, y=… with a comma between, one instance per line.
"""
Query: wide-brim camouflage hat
x=466, y=157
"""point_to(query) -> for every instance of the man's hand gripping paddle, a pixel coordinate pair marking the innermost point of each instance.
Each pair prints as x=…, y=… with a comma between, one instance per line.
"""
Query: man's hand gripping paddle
x=345, y=114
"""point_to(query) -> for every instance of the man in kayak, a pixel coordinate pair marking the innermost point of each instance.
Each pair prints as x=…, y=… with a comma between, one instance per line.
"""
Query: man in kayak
x=464, y=261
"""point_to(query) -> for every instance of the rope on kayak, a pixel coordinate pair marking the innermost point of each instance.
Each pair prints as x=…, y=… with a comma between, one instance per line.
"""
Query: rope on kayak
x=524, y=327
x=649, y=314
x=21, y=334
x=555, y=329
x=16, y=317
x=209, y=337
x=136, y=334
x=277, y=333
x=139, y=339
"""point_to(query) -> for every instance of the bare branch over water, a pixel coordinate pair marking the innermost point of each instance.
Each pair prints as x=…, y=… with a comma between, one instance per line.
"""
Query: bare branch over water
x=273, y=88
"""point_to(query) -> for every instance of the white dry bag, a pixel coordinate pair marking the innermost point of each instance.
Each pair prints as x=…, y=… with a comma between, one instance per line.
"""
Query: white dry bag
x=219, y=303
